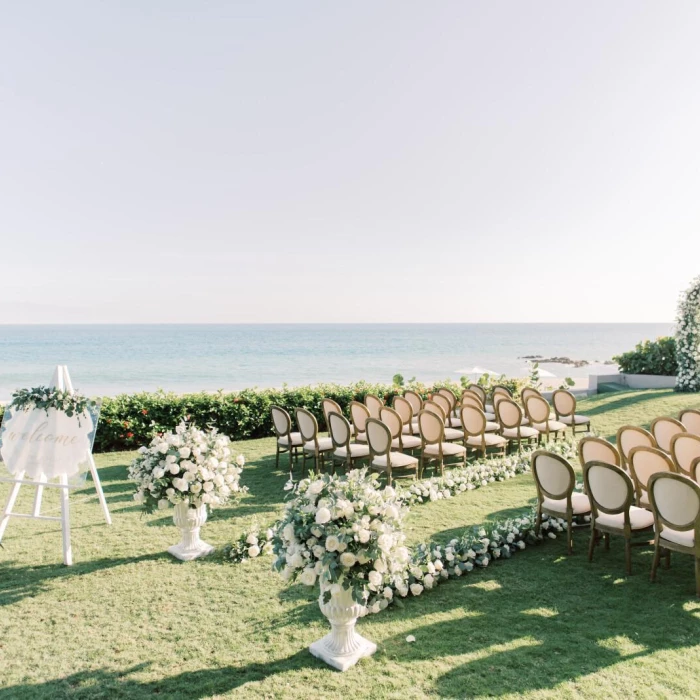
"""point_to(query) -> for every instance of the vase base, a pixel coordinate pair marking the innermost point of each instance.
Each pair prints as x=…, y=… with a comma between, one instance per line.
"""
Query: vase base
x=342, y=661
x=179, y=551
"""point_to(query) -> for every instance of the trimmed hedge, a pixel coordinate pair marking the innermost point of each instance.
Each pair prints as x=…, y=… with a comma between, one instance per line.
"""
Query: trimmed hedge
x=650, y=357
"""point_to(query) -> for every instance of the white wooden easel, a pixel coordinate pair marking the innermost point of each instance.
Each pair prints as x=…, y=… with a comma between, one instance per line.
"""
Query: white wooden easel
x=61, y=380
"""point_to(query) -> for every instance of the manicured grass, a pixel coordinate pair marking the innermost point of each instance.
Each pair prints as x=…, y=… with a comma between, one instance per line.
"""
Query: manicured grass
x=128, y=621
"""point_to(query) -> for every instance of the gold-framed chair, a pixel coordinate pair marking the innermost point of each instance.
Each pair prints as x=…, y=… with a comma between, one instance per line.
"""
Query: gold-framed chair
x=690, y=417
x=405, y=410
x=663, y=429
x=481, y=393
x=328, y=405
x=452, y=400
x=434, y=448
x=381, y=456
x=611, y=494
x=538, y=411
x=315, y=446
x=374, y=405
x=595, y=449
x=685, y=449
x=475, y=399
x=415, y=399
x=631, y=436
x=470, y=399
x=675, y=503
x=400, y=440
x=287, y=441
x=359, y=413
x=555, y=481
x=451, y=421
x=449, y=434
x=474, y=423
x=643, y=462
x=510, y=418
x=346, y=452
x=565, y=411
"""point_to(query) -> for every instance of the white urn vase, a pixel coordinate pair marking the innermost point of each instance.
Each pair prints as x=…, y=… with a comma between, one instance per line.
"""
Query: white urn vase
x=190, y=520
x=342, y=647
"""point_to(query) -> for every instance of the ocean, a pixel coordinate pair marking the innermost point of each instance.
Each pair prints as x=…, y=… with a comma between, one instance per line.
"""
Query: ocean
x=110, y=359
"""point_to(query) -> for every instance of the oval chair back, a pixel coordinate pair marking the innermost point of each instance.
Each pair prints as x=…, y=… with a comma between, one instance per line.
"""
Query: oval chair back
x=675, y=502
x=435, y=408
x=691, y=420
x=415, y=399
x=527, y=392
x=685, y=449
x=643, y=462
x=308, y=426
x=479, y=391
x=328, y=405
x=472, y=400
x=404, y=409
x=392, y=419
x=509, y=414
x=564, y=403
x=468, y=393
x=554, y=476
x=444, y=404
x=629, y=437
x=374, y=405
x=359, y=414
x=610, y=489
x=281, y=421
x=431, y=426
x=473, y=421
x=378, y=438
x=663, y=429
x=500, y=389
x=339, y=428
x=537, y=409
x=451, y=399
x=595, y=449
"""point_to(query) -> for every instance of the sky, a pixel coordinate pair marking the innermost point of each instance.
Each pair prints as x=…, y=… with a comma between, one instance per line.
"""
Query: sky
x=171, y=161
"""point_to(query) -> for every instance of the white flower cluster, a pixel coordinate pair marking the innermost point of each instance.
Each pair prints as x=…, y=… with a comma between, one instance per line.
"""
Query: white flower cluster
x=688, y=339
x=250, y=545
x=344, y=531
x=189, y=465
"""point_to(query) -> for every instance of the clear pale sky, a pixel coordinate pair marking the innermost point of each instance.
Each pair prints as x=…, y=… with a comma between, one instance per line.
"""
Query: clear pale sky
x=170, y=161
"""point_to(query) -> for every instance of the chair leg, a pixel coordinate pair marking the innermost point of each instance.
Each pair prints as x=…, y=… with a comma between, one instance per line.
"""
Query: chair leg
x=569, y=533
x=697, y=577
x=291, y=463
x=277, y=457
x=538, y=520
x=668, y=559
x=628, y=556
x=591, y=545
x=655, y=562
x=606, y=537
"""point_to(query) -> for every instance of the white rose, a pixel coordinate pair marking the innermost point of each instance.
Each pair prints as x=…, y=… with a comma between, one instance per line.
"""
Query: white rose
x=296, y=561
x=253, y=551
x=375, y=579
x=428, y=581
x=184, y=452
x=251, y=539
x=332, y=543
x=323, y=516
x=288, y=532
x=163, y=503
x=364, y=535
x=388, y=593
x=385, y=542
x=347, y=559
x=416, y=589
x=138, y=496
x=308, y=577
x=174, y=469
x=158, y=473
x=196, y=487
x=318, y=551
x=208, y=486
x=315, y=487
x=240, y=460
x=380, y=565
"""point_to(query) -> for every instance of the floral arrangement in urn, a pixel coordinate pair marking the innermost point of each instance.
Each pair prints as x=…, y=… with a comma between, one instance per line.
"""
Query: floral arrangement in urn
x=189, y=469
x=344, y=534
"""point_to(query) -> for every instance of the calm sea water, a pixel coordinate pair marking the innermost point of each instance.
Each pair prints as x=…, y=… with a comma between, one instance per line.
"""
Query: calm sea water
x=107, y=360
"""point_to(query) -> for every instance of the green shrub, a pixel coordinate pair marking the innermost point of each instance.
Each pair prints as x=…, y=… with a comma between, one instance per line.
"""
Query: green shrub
x=650, y=357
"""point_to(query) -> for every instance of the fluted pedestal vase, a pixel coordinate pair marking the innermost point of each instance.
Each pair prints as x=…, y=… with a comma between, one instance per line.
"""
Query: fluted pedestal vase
x=342, y=647
x=190, y=520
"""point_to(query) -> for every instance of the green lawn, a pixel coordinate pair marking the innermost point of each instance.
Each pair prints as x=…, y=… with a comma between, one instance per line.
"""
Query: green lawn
x=128, y=621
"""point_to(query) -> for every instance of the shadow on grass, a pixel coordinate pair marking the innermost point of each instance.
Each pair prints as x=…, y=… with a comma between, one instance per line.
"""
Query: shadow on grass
x=189, y=685
x=626, y=399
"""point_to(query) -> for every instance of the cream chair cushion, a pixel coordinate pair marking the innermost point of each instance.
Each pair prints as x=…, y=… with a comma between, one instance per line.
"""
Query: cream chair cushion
x=490, y=440
x=525, y=432
x=296, y=440
x=577, y=420
x=398, y=461
x=410, y=442
x=355, y=451
x=449, y=449
x=579, y=504
x=640, y=519
x=361, y=437
x=490, y=416
x=682, y=537
x=324, y=444
x=453, y=434
x=553, y=425
x=491, y=427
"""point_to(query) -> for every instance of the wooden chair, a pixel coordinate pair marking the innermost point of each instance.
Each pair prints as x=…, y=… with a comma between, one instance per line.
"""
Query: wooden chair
x=555, y=481
x=405, y=410
x=374, y=405
x=643, y=462
x=381, y=456
x=629, y=437
x=415, y=399
x=434, y=448
x=472, y=397
x=474, y=424
x=510, y=417
x=611, y=493
x=690, y=418
x=595, y=449
x=328, y=405
x=479, y=391
x=449, y=434
x=359, y=413
x=663, y=429
x=685, y=449
x=446, y=406
x=469, y=399
x=565, y=411
x=675, y=503
x=538, y=410
x=400, y=440
x=287, y=441
x=346, y=452
x=317, y=447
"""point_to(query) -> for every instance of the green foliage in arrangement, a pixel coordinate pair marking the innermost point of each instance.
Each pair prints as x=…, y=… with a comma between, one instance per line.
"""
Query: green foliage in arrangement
x=650, y=357
x=44, y=398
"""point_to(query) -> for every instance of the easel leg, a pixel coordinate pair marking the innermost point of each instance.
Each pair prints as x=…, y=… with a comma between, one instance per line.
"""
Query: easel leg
x=65, y=523
x=38, y=496
x=9, y=505
x=98, y=488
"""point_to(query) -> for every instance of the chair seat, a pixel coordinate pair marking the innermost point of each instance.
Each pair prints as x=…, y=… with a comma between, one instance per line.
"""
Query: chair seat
x=398, y=461
x=355, y=451
x=488, y=408
x=491, y=427
x=553, y=425
x=579, y=504
x=640, y=519
x=454, y=422
x=525, y=432
x=361, y=437
x=575, y=420
x=453, y=434
x=490, y=439
x=490, y=416
x=296, y=440
x=449, y=449
x=686, y=538
x=410, y=442
x=324, y=445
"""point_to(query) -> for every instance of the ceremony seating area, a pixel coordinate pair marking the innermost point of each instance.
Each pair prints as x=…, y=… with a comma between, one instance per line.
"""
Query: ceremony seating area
x=440, y=429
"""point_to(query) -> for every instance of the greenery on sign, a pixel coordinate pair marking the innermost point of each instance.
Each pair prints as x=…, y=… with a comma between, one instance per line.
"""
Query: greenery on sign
x=688, y=339
x=650, y=357
x=45, y=398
